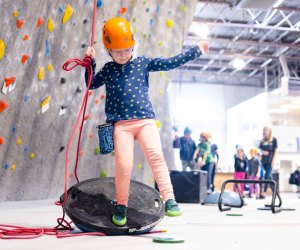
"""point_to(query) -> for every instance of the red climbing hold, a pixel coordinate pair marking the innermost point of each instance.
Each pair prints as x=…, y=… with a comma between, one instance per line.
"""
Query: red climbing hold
x=24, y=58
x=9, y=80
x=3, y=105
x=102, y=97
x=1, y=140
x=87, y=117
x=39, y=22
x=123, y=10
x=20, y=23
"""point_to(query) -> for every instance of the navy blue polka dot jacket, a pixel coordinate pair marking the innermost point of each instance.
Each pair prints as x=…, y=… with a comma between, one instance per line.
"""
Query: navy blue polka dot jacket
x=127, y=85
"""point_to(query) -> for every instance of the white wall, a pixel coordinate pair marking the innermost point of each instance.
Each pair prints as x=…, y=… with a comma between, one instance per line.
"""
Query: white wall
x=203, y=108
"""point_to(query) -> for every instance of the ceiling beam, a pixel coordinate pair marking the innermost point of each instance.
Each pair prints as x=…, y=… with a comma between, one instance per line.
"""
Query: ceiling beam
x=195, y=39
x=243, y=25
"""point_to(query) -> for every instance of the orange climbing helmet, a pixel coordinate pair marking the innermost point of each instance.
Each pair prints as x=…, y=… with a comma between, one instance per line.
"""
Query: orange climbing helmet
x=117, y=33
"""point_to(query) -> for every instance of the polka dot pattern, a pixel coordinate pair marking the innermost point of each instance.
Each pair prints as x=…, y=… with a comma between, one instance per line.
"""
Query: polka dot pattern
x=127, y=85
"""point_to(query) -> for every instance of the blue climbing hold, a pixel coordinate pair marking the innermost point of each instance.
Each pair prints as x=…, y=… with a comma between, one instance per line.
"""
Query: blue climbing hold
x=99, y=3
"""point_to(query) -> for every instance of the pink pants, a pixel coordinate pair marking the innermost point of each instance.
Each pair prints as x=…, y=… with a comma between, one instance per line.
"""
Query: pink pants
x=257, y=188
x=239, y=176
x=146, y=133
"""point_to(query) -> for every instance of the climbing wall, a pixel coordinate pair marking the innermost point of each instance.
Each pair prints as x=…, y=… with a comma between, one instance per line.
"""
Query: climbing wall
x=39, y=102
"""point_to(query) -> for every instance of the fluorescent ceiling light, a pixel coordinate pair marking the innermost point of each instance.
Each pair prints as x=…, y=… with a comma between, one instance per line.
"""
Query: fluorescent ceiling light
x=238, y=63
x=277, y=3
x=199, y=29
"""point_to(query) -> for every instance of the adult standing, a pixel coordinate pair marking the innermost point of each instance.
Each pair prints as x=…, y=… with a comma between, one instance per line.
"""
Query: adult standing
x=269, y=150
x=187, y=148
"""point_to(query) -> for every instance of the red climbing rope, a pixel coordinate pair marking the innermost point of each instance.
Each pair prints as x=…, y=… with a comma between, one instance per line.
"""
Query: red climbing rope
x=63, y=229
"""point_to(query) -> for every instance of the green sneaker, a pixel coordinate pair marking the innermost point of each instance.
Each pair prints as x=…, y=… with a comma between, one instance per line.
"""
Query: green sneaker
x=171, y=208
x=119, y=217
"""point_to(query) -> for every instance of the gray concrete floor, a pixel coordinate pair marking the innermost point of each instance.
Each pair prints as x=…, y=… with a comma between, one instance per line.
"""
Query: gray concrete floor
x=202, y=227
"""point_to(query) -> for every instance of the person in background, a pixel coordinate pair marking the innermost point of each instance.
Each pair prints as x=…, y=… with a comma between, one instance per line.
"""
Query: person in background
x=187, y=148
x=215, y=154
x=254, y=172
x=240, y=166
x=269, y=150
x=204, y=158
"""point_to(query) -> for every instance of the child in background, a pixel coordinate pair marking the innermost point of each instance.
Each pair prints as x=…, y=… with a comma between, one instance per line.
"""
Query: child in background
x=240, y=166
x=129, y=108
x=254, y=166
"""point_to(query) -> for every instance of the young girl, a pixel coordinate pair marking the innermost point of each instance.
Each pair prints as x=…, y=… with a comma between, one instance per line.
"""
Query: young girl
x=254, y=172
x=240, y=166
x=128, y=106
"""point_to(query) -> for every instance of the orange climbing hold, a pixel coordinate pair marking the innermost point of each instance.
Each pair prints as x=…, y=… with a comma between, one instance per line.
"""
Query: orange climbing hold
x=3, y=105
x=9, y=80
x=87, y=117
x=39, y=22
x=20, y=23
x=24, y=58
x=123, y=10
x=25, y=37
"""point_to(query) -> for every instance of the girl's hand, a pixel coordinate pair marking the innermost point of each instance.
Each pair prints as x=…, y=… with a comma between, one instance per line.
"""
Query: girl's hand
x=90, y=52
x=204, y=47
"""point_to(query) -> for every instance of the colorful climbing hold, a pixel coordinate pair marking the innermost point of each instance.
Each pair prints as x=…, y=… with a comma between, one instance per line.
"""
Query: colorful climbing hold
x=41, y=73
x=50, y=24
x=26, y=148
x=1, y=140
x=123, y=10
x=161, y=92
x=25, y=37
x=2, y=48
x=14, y=129
x=47, y=48
x=39, y=22
x=16, y=13
x=68, y=13
x=19, y=141
x=162, y=73
x=169, y=23
x=20, y=23
x=62, y=80
x=81, y=153
x=139, y=165
x=49, y=67
x=158, y=124
x=160, y=44
x=13, y=167
x=99, y=3
x=6, y=166
x=45, y=104
x=96, y=101
x=24, y=58
x=32, y=156
x=184, y=8
x=97, y=150
x=102, y=97
x=8, y=85
x=91, y=136
x=3, y=105
x=103, y=173
x=87, y=117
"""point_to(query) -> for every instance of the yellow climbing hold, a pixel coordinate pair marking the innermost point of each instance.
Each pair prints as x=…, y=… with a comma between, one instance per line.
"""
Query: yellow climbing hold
x=169, y=23
x=140, y=165
x=158, y=124
x=19, y=141
x=50, y=67
x=184, y=8
x=160, y=44
x=2, y=48
x=162, y=73
x=68, y=13
x=13, y=167
x=41, y=73
x=103, y=173
x=16, y=13
x=161, y=92
x=32, y=156
x=50, y=24
x=45, y=101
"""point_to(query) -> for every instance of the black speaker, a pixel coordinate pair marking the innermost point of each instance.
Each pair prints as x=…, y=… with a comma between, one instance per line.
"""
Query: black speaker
x=189, y=187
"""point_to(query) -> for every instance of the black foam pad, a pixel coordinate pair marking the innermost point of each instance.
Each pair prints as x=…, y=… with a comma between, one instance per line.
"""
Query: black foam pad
x=90, y=206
